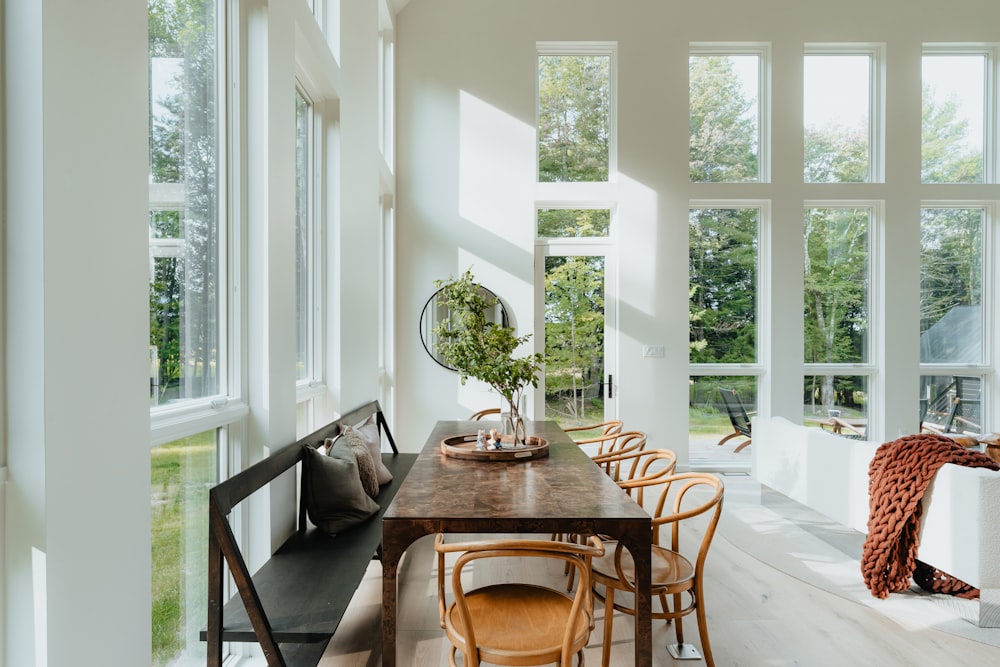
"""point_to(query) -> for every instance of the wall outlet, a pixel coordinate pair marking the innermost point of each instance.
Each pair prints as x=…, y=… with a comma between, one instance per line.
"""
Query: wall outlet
x=652, y=351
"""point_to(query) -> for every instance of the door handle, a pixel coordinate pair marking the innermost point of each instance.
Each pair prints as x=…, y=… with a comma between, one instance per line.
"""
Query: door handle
x=611, y=386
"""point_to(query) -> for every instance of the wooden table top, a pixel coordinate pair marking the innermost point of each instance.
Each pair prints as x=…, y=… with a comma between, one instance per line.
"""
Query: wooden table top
x=566, y=485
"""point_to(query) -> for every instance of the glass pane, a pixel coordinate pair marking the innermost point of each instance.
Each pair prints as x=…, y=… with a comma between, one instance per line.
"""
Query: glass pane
x=951, y=285
x=181, y=474
x=837, y=403
x=185, y=293
x=951, y=404
x=573, y=223
x=709, y=421
x=837, y=107
x=722, y=268
x=952, y=118
x=836, y=285
x=725, y=126
x=574, y=339
x=303, y=238
x=573, y=117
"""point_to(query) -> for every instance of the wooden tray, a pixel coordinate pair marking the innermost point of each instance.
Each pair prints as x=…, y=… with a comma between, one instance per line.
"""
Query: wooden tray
x=464, y=447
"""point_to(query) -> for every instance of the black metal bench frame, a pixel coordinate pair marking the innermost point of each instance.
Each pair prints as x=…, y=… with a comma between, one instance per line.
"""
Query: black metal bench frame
x=294, y=603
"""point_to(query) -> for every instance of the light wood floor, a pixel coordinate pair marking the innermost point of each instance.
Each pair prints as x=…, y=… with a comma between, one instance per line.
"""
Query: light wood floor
x=756, y=615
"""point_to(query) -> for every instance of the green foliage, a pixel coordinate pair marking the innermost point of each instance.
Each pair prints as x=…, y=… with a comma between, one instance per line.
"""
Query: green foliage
x=951, y=252
x=573, y=118
x=478, y=348
x=181, y=473
x=573, y=223
x=723, y=135
x=722, y=268
x=836, y=154
x=574, y=330
x=945, y=157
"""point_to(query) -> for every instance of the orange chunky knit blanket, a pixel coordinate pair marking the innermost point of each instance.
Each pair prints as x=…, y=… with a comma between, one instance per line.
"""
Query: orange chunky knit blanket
x=897, y=477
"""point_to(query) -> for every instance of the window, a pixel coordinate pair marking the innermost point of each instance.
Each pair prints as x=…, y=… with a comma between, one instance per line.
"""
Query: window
x=722, y=269
x=724, y=281
x=305, y=242
x=187, y=299
x=841, y=91
x=387, y=84
x=836, y=285
x=575, y=120
x=955, y=88
x=181, y=473
x=728, y=111
x=951, y=285
x=190, y=340
x=573, y=223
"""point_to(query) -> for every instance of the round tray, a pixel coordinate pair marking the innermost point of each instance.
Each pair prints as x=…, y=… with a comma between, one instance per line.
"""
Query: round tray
x=464, y=447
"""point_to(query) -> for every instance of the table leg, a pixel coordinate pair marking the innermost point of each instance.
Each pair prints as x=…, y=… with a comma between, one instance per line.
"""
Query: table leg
x=640, y=548
x=395, y=541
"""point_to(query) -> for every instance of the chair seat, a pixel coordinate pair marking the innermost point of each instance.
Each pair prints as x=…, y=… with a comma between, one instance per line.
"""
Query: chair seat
x=513, y=621
x=670, y=571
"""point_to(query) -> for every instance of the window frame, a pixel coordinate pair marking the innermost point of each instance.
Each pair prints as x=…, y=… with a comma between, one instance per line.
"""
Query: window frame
x=876, y=96
x=872, y=368
x=758, y=368
x=991, y=100
x=989, y=298
x=584, y=48
x=764, y=64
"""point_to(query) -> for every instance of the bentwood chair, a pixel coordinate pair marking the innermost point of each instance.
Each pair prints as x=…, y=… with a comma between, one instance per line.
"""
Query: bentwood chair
x=672, y=499
x=517, y=623
x=607, y=428
x=476, y=416
x=645, y=465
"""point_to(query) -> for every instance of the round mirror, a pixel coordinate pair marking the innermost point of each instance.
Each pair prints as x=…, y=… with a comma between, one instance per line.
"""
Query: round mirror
x=436, y=311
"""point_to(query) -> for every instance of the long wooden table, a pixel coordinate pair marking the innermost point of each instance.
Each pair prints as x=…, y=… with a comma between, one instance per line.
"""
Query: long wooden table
x=563, y=493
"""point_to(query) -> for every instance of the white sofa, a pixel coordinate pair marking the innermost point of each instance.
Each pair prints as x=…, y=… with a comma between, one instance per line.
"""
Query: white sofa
x=960, y=527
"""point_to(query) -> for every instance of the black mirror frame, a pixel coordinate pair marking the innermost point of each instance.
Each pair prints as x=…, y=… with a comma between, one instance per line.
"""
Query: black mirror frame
x=426, y=332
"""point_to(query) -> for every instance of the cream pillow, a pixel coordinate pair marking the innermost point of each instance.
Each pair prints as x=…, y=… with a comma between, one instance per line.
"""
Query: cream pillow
x=369, y=433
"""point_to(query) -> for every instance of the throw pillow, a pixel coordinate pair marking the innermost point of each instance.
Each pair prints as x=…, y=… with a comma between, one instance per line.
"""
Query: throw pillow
x=351, y=443
x=335, y=499
x=369, y=433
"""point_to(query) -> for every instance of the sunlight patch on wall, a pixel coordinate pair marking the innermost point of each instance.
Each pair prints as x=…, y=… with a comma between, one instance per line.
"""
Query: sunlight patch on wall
x=496, y=166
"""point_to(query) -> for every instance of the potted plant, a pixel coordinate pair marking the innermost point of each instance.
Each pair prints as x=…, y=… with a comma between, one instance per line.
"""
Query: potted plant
x=477, y=347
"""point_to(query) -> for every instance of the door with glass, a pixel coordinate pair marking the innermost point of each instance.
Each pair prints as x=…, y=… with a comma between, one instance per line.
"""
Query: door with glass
x=575, y=320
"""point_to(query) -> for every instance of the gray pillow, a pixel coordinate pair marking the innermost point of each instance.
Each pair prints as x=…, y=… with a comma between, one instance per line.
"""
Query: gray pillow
x=335, y=499
x=349, y=443
x=369, y=433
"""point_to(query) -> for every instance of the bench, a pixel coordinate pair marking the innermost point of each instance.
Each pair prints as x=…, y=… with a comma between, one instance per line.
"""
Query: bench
x=294, y=603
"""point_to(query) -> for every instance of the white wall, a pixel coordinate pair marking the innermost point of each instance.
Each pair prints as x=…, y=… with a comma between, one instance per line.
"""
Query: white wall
x=466, y=165
x=75, y=278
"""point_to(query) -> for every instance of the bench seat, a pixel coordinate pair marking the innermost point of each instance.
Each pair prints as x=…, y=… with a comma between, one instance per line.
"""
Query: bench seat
x=293, y=604
x=306, y=585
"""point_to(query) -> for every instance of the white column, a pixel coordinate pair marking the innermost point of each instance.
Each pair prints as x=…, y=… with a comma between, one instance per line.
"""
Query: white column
x=77, y=574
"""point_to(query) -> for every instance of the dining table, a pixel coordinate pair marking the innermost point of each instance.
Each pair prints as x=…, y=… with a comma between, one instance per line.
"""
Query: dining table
x=563, y=492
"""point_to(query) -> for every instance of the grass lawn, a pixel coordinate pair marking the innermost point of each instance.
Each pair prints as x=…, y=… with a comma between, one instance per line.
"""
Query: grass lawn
x=181, y=474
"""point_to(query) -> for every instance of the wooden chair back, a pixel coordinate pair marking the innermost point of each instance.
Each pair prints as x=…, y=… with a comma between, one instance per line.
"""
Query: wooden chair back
x=473, y=629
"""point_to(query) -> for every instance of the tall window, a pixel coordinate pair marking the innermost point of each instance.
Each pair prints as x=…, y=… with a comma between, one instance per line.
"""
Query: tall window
x=727, y=106
x=952, y=341
x=188, y=310
x=575, y=87
x=836, y=292
x=187, y=239
x=952, y=115
x=305, y=266
x=723, y=274
x=840, y=113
